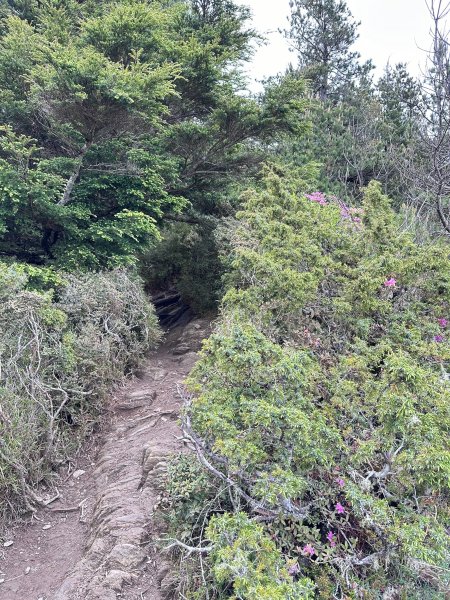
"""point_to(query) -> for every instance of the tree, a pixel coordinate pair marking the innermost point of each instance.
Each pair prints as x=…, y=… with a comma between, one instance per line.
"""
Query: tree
x=91, y=97
x=131, y=111
x=434, y=177
x=400, y=98
x=417, y=115
x=322, y=33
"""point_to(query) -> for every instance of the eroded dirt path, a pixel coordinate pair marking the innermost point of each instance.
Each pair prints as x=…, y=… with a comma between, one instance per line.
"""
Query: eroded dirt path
x=104, y=547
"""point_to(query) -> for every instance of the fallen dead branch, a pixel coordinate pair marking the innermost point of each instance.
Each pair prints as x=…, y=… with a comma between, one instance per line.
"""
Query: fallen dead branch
x=190, y=549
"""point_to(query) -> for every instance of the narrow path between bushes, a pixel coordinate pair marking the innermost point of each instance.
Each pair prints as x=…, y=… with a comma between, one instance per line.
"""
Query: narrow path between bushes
x=97, y=540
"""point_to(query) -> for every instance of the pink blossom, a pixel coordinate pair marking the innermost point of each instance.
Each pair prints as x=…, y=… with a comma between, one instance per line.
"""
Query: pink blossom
x=308, y=549
x=438, y=338
x=345, y=210
x=340, y=509
x=318, y=197
x=340, y=482
x=330, y=538
x=390, y=282
x=443, y=323
x=294, y=569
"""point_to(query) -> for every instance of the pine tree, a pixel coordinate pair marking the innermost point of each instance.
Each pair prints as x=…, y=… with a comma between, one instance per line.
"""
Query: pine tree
x=322, y=32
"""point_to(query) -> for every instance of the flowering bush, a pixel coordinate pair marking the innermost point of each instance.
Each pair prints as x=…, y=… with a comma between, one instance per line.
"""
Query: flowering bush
x=322, y=398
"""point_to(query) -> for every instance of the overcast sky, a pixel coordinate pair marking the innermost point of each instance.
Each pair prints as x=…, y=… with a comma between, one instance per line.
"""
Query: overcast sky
x=391, y=30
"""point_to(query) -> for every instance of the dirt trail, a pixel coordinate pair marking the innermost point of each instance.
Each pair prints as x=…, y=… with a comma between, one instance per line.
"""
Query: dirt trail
x=104, y=547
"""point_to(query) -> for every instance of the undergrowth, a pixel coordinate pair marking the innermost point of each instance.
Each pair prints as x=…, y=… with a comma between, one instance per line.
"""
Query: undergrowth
x=322, y=402
x=61, y=351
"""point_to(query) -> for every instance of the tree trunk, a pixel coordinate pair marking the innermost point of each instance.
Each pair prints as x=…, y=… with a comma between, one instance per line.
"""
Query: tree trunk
x=73, y=178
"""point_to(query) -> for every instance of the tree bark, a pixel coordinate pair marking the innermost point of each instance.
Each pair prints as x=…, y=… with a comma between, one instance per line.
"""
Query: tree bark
x=73, y=178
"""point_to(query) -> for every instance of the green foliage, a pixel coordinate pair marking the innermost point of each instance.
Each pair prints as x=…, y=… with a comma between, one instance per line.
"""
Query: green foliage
x=85, y=188
x=323, y=33
x=187, y=257
x=117, y=114
x=189, y=498
x=59, y=358
x=324, y=392
x=246, y=557
x=400, y=97
x=258, y=394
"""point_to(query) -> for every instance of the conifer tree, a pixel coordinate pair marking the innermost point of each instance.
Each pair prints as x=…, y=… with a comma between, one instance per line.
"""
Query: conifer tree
x=322, y=32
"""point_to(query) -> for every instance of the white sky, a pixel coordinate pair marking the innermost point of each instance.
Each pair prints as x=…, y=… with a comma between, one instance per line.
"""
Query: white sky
x=391, y=31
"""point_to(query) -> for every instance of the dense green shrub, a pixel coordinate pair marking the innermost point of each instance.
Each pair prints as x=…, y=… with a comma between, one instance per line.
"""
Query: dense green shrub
x=188, y=498
x=187, y=259
x=189, y=495
x=243, y=555
x=322, y=398
x=60, y=354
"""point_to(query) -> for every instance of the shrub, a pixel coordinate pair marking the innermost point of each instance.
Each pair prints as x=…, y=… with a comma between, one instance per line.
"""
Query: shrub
x=243, y=555
x=189, y=497
x=323, y=399
x=187, y=258
x=59, y=358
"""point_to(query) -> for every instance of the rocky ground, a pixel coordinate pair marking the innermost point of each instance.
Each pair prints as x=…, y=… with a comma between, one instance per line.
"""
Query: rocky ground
x=99, y=539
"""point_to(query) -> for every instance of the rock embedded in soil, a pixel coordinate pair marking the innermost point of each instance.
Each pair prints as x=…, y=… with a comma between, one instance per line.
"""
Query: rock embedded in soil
x=79, y=473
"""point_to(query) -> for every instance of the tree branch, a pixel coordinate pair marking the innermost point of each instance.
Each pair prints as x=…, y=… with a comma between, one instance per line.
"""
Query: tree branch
x=73, y=178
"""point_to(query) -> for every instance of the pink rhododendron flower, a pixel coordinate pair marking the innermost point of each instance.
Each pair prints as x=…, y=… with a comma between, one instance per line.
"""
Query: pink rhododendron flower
x=438, y=338
x=390, y=282
x=340, y=482
x=318, y=197
x=443, y=323
x=308, y=549
x=330, y=538
x=340, y=509
x=345, y=210
x=294, y=569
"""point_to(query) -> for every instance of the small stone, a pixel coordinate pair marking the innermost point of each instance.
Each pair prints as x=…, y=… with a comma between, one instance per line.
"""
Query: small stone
x=2, y=581
x=78, y=473
x=27, y=570
x=181, y=349
x=126, y=557
x=47, y=526
x=160, y=374
x=8, y=544
x=116, y=578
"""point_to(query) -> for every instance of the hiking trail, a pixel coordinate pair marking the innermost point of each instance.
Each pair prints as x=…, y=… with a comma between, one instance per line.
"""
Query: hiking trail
x=98, y=539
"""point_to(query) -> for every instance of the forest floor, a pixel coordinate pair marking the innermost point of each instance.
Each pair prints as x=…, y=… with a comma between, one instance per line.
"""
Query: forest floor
x=99, y=539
